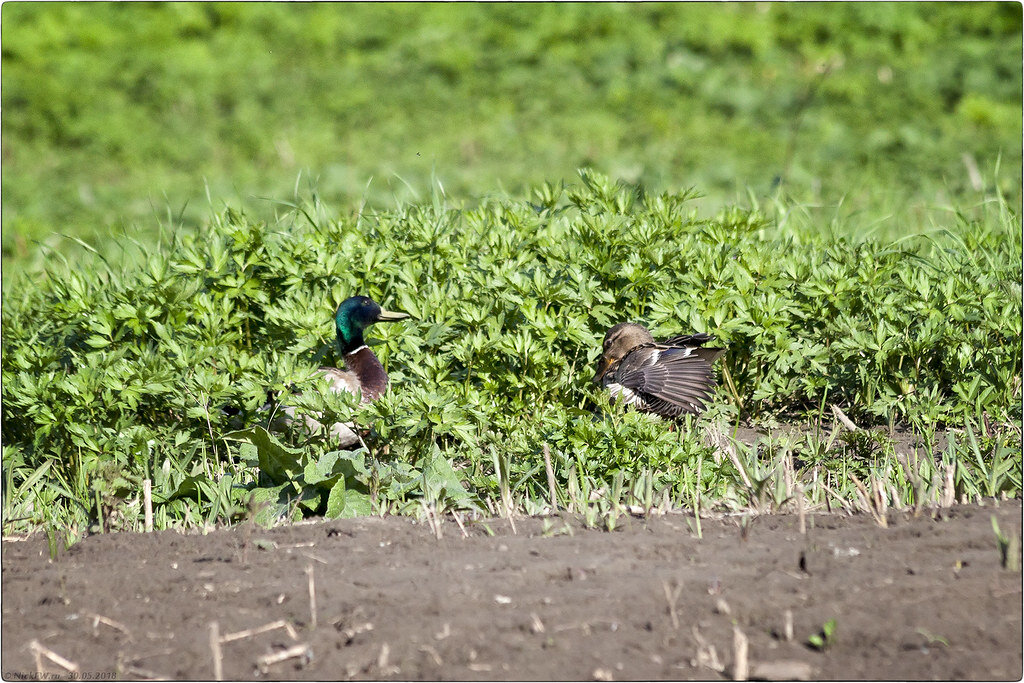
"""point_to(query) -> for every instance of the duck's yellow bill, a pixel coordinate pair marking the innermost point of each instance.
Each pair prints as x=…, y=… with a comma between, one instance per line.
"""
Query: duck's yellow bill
x=390, y=316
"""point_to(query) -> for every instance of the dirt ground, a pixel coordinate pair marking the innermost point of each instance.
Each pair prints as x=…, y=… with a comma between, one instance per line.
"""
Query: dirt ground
x=926, y=598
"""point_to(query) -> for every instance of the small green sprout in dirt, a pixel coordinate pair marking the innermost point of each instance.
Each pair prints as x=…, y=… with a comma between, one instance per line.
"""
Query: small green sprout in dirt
x=825, y=638
x=1009, y=548
x=932, y=637
x=550, y=529
x=51, y=541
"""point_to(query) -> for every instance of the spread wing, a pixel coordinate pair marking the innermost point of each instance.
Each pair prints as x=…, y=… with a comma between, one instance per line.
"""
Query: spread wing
x=695, y=343
x=698, y=339
x=670, y=381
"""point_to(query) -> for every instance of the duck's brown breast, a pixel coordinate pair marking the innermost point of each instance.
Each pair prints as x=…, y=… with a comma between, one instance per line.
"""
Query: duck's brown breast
x=373, y=381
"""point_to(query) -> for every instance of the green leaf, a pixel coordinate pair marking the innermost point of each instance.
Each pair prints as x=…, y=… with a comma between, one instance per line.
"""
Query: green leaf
x=277, y=461
x=271, y=503
x=442, y=478
x=345, y=502
x=322, y=470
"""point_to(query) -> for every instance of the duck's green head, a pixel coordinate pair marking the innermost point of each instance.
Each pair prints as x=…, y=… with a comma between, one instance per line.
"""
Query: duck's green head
x=357, y=313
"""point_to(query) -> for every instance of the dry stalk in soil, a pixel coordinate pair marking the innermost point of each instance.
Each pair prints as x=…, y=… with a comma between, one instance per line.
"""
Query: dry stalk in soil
x=552, y=489
x=302, y=650
x=98, y=619
x=948, y=485
x=707, y=656
x=716, y=438
x=869, y=503
x=147, y=502
x=847, y=422
x=218, y=662
x=40, y=651
x=800, y=509
x=312, y=597
x=249, y=633
x=671, y=597
x=740, y=665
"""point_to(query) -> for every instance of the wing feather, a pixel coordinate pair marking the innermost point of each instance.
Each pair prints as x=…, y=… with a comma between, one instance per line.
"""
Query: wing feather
x=698, y=339
x=674, y=384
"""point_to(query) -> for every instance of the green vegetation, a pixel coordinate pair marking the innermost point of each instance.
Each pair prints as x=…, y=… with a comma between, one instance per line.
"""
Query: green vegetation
x=117, y=115
x=1009, y=548
x=125, y=374
x=858, y=249
x=825, y=638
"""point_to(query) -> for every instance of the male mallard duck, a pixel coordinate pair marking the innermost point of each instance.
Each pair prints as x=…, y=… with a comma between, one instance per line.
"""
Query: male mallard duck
x=363, y=373
x=668, y=378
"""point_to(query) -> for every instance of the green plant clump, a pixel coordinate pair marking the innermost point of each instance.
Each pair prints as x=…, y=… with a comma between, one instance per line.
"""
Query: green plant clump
x=825, y=638
x=157, y=366
x=111, y=109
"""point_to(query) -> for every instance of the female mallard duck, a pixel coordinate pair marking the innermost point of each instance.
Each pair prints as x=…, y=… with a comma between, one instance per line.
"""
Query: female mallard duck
x=668, y=378
x=363, y=374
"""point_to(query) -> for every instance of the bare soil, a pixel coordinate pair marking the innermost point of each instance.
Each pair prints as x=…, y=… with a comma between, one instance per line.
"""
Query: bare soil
x=925, y=598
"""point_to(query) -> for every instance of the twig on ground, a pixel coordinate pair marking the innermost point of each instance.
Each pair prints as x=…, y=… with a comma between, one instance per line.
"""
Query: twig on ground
x=671, y=597
x=40, y=651
x=314, y=558
x=248, y=633
x=312, y=597
x=841, y=416
x=98, y=619
x=740, y=665
x=218, y=664
x=352, y=632
x=433, y=654
x=707, y=656
x=782, y=670
x=301, y=650
x=141, y=674
x=458, y=520
x=383, y=666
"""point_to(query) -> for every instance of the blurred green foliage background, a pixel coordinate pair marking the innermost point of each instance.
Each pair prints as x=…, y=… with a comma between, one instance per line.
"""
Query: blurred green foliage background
x=117, y=115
